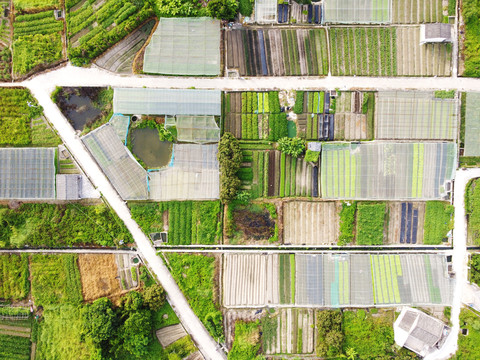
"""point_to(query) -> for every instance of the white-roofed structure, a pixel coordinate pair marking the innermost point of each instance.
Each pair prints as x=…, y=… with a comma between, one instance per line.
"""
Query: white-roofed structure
x=167, y=101
x=75, y=187
x=419, y=332
x=266, y=11
x=27, y=173
x=184, y=46
x=197, y=129
x=357, y=11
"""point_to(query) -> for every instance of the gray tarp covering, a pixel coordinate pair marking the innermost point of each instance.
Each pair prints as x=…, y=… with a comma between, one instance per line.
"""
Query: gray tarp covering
x=27, y=173
x=184, y=46
x=472, y=125
x=166, y=101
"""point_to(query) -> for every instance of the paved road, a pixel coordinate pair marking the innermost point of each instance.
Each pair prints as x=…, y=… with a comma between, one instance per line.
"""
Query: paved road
x=75, y=76
x=68, y=251
x=206, y=344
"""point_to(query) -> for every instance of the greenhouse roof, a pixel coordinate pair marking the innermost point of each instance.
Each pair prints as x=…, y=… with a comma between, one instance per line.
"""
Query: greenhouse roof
x=387, y=170
x=120, y=124
x=341, y=280
x=127, y=176
x=27, y=173
x=357, y=11
x=166, y=101
x=266, y=11
x=184, y=46
x=472, y=125
x=197, y=129
x=192, y=175
x=415, y=115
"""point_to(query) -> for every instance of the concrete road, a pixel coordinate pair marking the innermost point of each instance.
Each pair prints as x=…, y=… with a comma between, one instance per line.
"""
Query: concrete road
x=41, y=89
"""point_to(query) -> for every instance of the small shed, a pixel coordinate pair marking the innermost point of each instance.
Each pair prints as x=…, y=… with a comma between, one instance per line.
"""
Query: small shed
x=419, y=332
x=435, y=33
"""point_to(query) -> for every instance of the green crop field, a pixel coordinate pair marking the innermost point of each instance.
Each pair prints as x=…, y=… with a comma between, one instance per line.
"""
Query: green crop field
x=37, y=41
x=55, y=279
x=363, y=51
x=370, y=223
x=189, y=222
x=35, y=4
x=14, y=282
x=438, y=221
x=92, y=30
x=14, y=347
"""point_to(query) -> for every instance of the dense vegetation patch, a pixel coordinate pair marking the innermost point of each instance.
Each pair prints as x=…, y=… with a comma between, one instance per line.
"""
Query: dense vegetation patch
x=246, y=343
x=21, y=5
x=471, y=17
x=469, y=345
x=438, y=222
x=14, y=284
x=195, y=276
x=347, y=223
x=370, y=223
x=47, y=225
x=475, y=269
x=230, y=158
x=55, y=279
x=329, y=333
x=189, y=222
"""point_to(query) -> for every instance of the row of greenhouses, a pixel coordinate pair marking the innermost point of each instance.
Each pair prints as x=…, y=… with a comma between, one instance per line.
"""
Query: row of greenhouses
x=336, y=280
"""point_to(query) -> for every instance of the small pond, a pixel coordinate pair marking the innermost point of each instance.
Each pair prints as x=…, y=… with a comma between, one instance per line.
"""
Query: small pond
x=146, y=145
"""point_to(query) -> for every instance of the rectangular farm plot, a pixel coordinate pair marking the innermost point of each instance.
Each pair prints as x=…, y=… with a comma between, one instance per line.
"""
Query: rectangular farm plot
x=405, y=222
x=472, y=125
x=355, y=11
x=363, y=51
x=310, y=223
x=413, y=59
x=417, y=11
x=293, y=332
x=250, y=280
x=184, y=46
x=277, y=52
x=415, y=115
x=351, y=121
x=383, y=170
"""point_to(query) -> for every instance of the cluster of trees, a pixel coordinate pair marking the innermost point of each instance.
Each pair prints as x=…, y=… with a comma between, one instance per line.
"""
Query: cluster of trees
x=292, y=146
x=230, y=158
x=330, y=335
x=123, y=329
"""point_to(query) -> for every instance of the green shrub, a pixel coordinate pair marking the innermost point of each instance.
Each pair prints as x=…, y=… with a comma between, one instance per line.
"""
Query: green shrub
x=230, y=158
x=246, y=342
x=312, y=156
x=292, y=146
x=445, y=94
x=15, y=273
x=452, y=7
x=329, y=333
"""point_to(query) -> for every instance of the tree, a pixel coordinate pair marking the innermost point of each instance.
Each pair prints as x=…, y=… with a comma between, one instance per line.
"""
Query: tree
x=132, y=301
x=223, y=9
x=292, y=146
x=154, y=297
x=136, y=333
x=245, y=7
x=98, y=319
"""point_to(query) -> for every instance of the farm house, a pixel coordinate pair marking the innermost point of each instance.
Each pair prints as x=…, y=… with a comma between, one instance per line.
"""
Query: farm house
x=387, y=170
x=415, y=115
x=419, y=332
x=27, y=173
x=435, y=33
x=184, y=46
x=354, y=11
x=472, y=125
x=336, y=280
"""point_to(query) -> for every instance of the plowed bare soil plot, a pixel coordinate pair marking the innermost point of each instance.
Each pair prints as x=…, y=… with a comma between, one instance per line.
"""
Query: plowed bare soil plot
x=421, y=60
x=363, y=51
x=120, y=57
x=310, y=223
x=296, y=173
x=277, y=52
x=98, y=274
x=233, y=118
x=405, y=222
x=417, y=11
x=350, y=122
x=291, y=331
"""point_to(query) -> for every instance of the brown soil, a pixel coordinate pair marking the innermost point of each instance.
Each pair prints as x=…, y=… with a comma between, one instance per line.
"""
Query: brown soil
x=257, y=226
x=99, y=277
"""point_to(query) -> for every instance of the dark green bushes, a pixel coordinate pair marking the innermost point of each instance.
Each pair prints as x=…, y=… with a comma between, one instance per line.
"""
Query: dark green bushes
x=291, y=146
x=298, y=107
x=329, y=333
x=230, y=158
x=245, y=7
x=471, y=16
